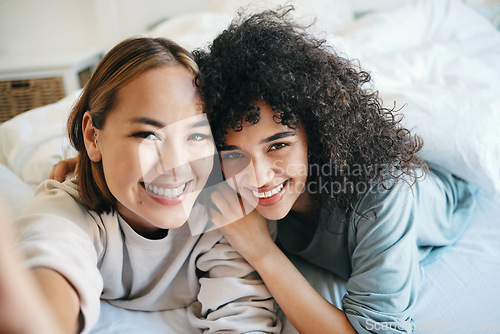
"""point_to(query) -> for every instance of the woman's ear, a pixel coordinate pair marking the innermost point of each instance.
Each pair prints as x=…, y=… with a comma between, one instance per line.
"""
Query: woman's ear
x=91, y=138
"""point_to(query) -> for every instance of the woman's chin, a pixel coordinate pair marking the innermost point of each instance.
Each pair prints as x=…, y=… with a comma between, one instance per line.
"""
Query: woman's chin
x=272, y=213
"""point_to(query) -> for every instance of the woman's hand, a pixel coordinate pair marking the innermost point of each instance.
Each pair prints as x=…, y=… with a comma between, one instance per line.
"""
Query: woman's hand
x=62, y=169
x=249, y=235
x=245, y=229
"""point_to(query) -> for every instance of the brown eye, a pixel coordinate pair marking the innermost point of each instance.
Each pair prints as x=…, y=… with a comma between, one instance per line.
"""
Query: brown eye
x=146, y=135
x=277, y=146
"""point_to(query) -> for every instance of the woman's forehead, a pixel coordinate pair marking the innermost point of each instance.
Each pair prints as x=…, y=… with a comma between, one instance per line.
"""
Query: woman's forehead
x=166, y=94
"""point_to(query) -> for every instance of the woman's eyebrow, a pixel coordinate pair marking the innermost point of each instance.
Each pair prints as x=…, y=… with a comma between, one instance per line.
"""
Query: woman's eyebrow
x=158, y=124
x=200, y=124
x=228, y=148
x=277, y=136
x=148, y=121
x=274, y=137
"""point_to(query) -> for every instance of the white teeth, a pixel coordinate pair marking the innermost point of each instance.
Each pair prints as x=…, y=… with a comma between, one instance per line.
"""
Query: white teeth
x=166, y=192
x=268, y=193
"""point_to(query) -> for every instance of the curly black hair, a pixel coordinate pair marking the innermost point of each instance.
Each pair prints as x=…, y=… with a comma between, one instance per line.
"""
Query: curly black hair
x=268, y=57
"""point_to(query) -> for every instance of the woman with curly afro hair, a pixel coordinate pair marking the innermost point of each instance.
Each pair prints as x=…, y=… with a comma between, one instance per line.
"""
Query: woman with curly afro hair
x=304, y=138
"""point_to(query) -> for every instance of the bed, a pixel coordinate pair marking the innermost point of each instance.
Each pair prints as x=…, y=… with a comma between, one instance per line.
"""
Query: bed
x=439, y=60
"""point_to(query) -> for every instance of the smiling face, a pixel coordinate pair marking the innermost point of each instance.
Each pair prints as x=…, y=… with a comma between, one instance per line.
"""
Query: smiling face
x=156, y=149
x=267, y=163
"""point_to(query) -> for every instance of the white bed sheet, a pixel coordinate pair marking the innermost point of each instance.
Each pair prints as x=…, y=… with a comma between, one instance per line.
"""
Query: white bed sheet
x=444, y=62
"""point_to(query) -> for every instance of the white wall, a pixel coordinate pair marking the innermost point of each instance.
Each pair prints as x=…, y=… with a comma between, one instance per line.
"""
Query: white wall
x=32, y=26
x=39, y=25
x=122, y=18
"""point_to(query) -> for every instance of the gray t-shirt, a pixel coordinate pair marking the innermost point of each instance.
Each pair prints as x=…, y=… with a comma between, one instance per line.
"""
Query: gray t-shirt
x=379, y=252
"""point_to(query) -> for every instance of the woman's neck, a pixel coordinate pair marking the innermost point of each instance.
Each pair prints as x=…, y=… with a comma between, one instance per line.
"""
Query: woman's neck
x=303, y=204
x=305, y=210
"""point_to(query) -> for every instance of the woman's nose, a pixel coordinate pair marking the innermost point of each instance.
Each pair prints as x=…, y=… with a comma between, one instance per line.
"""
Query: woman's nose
x=264, y=171
x=173, y=160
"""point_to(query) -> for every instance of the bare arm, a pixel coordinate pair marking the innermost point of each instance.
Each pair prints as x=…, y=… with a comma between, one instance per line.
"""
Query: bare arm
x=62, y=298
x=43, y=296
x=306, y=309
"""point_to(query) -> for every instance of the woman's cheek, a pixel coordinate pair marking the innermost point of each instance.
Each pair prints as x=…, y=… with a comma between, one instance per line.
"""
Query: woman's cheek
x=202, y=160
x=149, y=159
x=233, y=182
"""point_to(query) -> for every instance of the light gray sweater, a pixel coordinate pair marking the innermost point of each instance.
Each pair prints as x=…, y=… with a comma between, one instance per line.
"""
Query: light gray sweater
x=104, y=258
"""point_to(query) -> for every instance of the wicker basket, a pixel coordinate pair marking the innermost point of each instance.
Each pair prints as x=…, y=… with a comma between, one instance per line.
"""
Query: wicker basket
x=18, y=96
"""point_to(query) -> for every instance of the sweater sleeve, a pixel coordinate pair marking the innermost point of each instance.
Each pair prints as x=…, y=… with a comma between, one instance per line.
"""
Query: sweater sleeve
x=232, y=297
x=57, y=233
x=382, y=288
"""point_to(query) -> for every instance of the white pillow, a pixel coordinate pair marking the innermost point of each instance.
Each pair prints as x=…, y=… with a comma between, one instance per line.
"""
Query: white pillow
x=32, y=142
x=194, y=30
x=14, y=193
x=331, y=15
x=460, y=133
x=442, y=64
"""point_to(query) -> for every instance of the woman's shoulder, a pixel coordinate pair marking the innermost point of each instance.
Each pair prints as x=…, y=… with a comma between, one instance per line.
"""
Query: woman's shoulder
x=55, y=207
x=60, y=201
x=396, y=187
x=51, y=194
x=52, y=187
x=404, y=194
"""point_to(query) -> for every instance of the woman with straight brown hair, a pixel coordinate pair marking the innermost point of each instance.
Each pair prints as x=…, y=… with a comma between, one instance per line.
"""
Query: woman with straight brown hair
x=117, y=230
